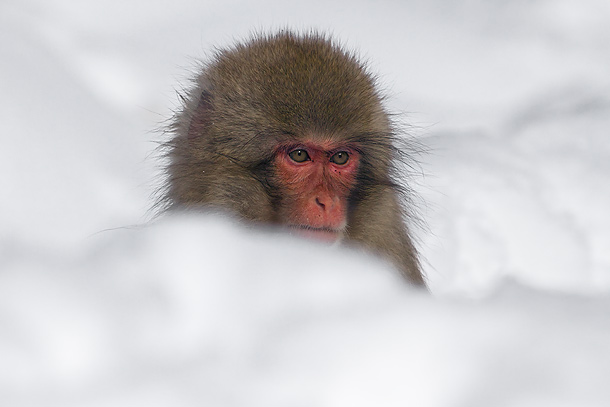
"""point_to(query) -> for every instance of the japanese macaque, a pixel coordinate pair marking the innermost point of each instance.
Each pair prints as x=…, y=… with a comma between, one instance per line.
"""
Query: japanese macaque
x=290, y=130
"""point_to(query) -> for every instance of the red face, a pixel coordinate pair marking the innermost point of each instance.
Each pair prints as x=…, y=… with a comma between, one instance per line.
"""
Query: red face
x=316, y=179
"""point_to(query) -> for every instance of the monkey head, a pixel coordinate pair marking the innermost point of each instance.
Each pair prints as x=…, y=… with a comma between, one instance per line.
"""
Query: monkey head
x=290, y=129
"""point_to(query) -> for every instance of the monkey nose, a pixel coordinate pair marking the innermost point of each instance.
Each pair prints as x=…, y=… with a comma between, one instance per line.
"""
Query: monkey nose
x=326, y=212
x=326, y=203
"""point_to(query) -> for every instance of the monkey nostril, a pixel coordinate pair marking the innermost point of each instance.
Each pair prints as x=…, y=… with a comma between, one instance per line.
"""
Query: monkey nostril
x=320, y=203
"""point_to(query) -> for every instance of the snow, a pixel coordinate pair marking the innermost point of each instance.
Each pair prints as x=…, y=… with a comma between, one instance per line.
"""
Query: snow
x=101, y=307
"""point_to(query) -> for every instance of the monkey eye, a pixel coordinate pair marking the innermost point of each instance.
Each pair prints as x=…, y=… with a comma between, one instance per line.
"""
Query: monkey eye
x=340, y=158
x=299, y=156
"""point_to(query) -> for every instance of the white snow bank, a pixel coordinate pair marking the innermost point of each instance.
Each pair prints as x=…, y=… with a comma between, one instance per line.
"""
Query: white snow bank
x=531, y=201
x=194, y=311
x=68, y=163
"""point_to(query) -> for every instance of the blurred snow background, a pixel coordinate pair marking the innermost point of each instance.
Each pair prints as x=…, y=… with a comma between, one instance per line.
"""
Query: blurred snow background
x=511, y=98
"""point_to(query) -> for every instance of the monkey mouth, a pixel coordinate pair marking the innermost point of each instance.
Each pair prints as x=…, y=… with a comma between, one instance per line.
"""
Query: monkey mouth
x=323, y=234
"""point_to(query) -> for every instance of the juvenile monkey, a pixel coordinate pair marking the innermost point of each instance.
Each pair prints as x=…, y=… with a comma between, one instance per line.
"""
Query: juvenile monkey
x=289, y=129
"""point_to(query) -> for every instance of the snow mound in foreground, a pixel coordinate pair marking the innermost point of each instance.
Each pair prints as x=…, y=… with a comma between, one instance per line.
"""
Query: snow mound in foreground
x=195, y=311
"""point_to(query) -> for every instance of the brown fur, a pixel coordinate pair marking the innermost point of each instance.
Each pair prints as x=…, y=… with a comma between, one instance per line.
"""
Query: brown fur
x=273, y=89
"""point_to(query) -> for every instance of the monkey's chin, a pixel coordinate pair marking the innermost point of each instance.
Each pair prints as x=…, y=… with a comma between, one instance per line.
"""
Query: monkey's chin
x=321, y=234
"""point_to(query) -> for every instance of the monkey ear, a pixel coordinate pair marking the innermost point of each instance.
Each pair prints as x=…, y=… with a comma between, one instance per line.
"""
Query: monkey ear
x=201, y=117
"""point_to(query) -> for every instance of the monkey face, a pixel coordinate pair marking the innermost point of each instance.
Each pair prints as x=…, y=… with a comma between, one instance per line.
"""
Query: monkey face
x=315, y=180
